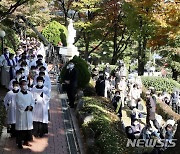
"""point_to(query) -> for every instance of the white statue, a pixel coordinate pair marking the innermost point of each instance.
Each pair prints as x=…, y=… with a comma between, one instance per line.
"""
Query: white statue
x=71, y=33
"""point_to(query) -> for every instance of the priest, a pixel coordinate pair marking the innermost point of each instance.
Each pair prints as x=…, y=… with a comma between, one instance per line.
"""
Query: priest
x=24, y=116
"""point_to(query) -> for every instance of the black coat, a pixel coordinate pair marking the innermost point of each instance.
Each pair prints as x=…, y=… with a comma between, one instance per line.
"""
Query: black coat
x=151, y=108
x=100, y=87
x=71, y=76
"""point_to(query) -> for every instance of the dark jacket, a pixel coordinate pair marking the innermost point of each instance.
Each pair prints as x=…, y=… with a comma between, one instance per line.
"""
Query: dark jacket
x=100, y=87
x=151, y=108
x=71, y=76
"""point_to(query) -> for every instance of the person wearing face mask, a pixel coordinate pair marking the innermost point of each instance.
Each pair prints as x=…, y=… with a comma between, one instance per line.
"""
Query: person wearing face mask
x=116, y=101
x=26, y=69
x=4, y=56
x=40, y=59
x=24, y=116
x=135, y=95
x=136, y=129
x=47, y=81
x=17, y=78
x=40, y=112
x=23, y=77
x=43, y=69
x=17, y=57
x=10, y=105
x=32, y=61
x=12, y=65
x=100, y=85
x=7, y=73
x=33, y=71
x=71, y=84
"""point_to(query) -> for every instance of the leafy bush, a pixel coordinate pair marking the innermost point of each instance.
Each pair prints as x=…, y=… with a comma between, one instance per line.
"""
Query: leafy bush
x=108, y=137
x=160, y=84
x=2, y=116
x=54, y=32
x=82, y=70
x=89, y=90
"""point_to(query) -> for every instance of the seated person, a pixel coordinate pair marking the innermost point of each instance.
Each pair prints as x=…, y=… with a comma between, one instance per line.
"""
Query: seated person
x=134, y=130
x=135, y=114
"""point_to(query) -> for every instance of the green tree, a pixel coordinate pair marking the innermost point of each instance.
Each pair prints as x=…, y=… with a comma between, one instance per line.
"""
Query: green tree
x=54, y=32
x=90, y=24
x=8, y=7
x=171, y=55
x=118, y=32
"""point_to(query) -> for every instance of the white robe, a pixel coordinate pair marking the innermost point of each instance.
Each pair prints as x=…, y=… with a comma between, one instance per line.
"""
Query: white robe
x=24, y=119
x=40, y=112
x=42, y=51
x=10, y=104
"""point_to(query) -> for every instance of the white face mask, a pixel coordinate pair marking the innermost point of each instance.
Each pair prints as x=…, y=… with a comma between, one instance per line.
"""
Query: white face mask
x=71, y=66
x=16, y=88
x=40, y=84
x=18, y=76
x=23, y=74
x=25, y=87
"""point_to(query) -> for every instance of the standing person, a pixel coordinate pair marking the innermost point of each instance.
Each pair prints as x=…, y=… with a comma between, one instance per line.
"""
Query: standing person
x=135, y=95
x=71, y=82
x=151, y=110
x=24, y=116
x=40, y=112
x=117, y=103
x=5, y=63
x=17, y=78
x=122, y=87
x=100, y=85
x=10, y=104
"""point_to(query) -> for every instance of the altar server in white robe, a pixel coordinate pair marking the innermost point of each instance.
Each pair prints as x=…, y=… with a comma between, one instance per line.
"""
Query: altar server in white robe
x=26, y=68
x=40, y=59
x=47, y=81
x=10, y=105
x=17, y=78
x=24, y=116
x=40, y=112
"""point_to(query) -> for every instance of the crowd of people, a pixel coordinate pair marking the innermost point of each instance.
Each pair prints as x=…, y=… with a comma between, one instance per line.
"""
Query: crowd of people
x=25, y=75
x=173, y=99
x=127, y=93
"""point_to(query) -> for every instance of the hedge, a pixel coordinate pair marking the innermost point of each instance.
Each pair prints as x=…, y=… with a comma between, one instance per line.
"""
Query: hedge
x=109, y=135
x=2, y=116
x=160, y=84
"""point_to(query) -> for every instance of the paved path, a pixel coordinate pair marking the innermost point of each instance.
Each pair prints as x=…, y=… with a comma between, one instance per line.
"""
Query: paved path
x=53, y=143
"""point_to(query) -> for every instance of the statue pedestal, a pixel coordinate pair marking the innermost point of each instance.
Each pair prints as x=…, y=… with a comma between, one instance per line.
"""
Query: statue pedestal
x=72, y=51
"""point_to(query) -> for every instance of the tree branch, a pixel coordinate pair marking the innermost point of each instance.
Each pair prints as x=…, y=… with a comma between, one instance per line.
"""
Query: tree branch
x=99, y=43
x=125, y=45
x=12, y=9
